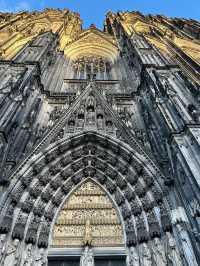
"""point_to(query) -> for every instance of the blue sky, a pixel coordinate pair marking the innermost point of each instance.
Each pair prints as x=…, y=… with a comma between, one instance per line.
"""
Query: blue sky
x=93, y=11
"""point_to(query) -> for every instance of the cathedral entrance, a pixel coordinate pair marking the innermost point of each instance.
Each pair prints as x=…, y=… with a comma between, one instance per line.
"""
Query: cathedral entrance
x=88, y=230
x=98, y=262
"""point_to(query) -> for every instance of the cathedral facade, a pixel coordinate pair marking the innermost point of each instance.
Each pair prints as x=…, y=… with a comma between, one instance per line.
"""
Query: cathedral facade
x=100, y=140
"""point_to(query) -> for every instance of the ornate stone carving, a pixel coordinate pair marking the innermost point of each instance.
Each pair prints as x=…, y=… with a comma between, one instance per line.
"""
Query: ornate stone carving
x=101, y=178
x=138, y=167
x=87, y=258
x=65, y=160
x=49, y=157
x=89, y=171
x=135, y=208
x=102, y=154
x=126, y=213
x=57, y=199
x=77, y=166
x=12, y=253
x=56, y=183
x=2, y=245
x=47, y=194
x=36, y=190
x=130, y=233
x=111, y=173
x=133, y=257
x=28, y=258
x=173, y=256
x=49, y=213
x=129, y=194
x=39, y=208
x=187, y=246
x=154, y=228
x=77, y=178
x=38, y=166
x=121, y=182
x=123, y=169
x=147, y=203
x=165, y=219
x=100, y=165
x=41, y=258
x=142, y=234
x=148, y=179
x=66, y=187
x=87, y=238
x=132, y=178
x=111, y=187
x=26, y=179
x=54, y=168
x=17, y=193
x=145, y=255
x=44, y=178
x=107, y=130
x=195, y=208
x=31, y=235
x=158, y=253
x=119, y=197
x=140, y=189
x=7, y=220
x=157, y=194
x=89, y=148
x=18, y=230
x=27, y=205
x=89, y=203
x=44, y=236
x=63, y=148
x=67, y=172
x=111, y=159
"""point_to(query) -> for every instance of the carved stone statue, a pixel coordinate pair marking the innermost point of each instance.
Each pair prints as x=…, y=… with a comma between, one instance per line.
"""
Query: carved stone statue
x=12, y=254
x=145, y=255
x=90, y=117
x=195, y=208
x=87, y=241
x=159, y=253
x=2, y=243
x=133, y=259
x=41, y=259
x=87, y=259
x=100, y=123
x=173, y=257
x=28, y=256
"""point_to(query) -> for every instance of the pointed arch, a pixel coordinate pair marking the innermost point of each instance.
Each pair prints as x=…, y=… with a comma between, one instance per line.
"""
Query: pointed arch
x=38, y=191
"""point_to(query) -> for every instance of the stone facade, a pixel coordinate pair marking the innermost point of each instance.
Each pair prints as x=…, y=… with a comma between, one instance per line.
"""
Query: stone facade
x=120, y=108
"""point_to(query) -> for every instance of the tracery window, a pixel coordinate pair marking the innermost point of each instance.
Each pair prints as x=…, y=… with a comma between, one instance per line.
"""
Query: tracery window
x=92, y=68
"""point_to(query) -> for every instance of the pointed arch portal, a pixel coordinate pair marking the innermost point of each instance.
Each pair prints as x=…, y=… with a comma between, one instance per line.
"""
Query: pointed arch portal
x=40, y=189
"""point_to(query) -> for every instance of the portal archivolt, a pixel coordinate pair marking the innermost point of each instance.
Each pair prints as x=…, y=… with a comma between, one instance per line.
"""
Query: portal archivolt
x=35, y=197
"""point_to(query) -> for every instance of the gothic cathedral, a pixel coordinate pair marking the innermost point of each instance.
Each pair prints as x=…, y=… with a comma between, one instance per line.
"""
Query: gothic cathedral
x=99, y=140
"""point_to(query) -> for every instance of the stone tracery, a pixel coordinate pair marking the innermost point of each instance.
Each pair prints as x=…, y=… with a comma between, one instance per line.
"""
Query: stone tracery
x=108, y=108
